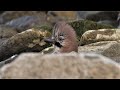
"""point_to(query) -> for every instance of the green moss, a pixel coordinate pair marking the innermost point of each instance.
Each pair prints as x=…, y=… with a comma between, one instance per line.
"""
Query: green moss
x=44, y=27
x=81, y=26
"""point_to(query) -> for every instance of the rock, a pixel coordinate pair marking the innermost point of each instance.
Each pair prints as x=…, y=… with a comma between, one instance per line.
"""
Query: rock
x=31, y=40
x=81, y=26
x=48, y=50
x=1, y=40
x=7, y=32
x=100, y=16
x=54, y=16
x=84, y=14
x=114, y=23
x=107, y=48
x=23, y=23
x=103, y=15
x=93, y=36
x=7, y=61
x=102, y=41
x=61, y=66
x=9, y=15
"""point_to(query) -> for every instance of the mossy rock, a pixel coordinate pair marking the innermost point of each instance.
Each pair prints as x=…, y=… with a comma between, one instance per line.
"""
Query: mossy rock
x=82, y=26
x=44, y=27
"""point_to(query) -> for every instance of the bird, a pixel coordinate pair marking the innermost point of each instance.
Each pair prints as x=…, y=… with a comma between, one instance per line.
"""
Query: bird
x=63, y=38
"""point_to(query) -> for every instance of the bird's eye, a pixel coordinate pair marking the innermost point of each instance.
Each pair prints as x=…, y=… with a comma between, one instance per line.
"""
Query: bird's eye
x=61, y=38
x=61, y=34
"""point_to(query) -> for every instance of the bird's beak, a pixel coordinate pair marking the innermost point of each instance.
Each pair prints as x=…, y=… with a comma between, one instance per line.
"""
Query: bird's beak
x=49, y=40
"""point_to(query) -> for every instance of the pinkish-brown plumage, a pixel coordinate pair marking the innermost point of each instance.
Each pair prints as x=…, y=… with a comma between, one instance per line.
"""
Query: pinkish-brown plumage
x=64, y=37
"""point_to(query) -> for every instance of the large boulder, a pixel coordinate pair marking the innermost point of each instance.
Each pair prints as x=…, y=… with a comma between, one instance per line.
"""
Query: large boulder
x=31, y=40
x=61, y=66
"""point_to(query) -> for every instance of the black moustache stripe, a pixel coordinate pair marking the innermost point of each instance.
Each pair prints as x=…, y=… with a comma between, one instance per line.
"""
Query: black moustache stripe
x=58, y=44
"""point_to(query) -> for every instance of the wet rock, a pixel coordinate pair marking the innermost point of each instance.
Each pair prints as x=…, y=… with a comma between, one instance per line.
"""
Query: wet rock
x=61, y=66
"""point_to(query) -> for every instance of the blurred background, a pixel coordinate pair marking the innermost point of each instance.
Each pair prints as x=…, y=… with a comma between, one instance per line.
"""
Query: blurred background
x=23, y=19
